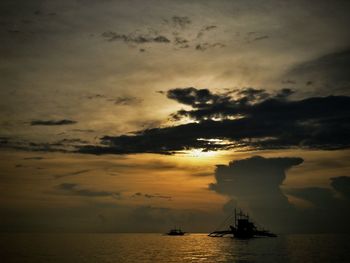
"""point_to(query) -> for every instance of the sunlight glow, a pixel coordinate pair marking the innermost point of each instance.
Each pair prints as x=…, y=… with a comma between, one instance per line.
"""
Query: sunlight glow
x=200, y=153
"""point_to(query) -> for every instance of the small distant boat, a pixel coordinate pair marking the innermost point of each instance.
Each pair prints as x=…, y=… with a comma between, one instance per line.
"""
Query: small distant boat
x=175, y=232
x=243, y=228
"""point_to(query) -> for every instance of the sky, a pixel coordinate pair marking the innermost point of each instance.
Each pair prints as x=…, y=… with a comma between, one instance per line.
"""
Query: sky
x=137, y=116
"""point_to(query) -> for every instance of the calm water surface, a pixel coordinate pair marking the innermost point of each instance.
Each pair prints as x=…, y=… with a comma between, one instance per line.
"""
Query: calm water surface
x=158, y=248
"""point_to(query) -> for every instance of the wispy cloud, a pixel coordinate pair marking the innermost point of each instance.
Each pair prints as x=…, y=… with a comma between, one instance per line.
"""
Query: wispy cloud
x=52, y=122
x=180, y=21
x=151, y=196
x=57, y=176
x=205, y=29
x=76, y=189
x=120, y=100
x=135, y=38
x=205, y=46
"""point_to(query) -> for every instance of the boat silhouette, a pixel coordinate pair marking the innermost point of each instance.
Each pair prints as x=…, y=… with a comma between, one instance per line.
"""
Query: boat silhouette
x=242, y=228
x=175, y=232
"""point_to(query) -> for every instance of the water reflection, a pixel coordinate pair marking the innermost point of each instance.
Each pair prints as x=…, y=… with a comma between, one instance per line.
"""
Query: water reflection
x=157, y=248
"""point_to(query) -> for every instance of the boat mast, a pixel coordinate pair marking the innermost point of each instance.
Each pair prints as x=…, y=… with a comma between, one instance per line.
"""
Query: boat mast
x=235, y=218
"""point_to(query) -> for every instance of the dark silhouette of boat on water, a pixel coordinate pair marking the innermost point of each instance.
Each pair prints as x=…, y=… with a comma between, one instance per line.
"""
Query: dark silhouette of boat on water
x=176, y=232
x=242, y=228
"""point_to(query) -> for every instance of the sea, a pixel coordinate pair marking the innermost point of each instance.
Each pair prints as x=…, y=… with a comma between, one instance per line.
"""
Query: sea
x=141, y=248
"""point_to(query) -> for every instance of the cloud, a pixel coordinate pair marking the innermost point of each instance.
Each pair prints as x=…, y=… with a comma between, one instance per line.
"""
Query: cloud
x=238, y=176
x=202, y=174
x=330, y=209
x=181, y=21
x=4, y=141
x=205, y=29
x=255, y=36
x=24, y=145
x=52, y=122
x=64, y=145
x=325, y=197
x=96, y=96
x=151, y=196
x=126, y=100
x=135, y=38
x=71, y=141
x=254, y=184
x=75, y=189
x=245, y=119
x=121, y=100
x=260, y=38
x=182, y=37
x=342, y=185
x=328, y=73
x=34, y=158
x=192, y=96
x=83, y=130
x=204, y=46
x=318, y=196
x=181, y=42
x=72, y=173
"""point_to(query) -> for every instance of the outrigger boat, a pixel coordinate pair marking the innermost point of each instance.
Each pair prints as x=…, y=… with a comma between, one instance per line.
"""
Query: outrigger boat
x=176, y=232
x=242, y=228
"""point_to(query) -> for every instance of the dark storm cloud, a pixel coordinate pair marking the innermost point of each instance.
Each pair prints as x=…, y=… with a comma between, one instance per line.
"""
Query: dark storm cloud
x=328, y=73
x=135, y=38
x=156, y=140
x=75, y=189
x=318, y=196
x=342, y=185
x=52, y=122
x=238, y=176
x=330, y=209
x=254, y=183
x=250, y=118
